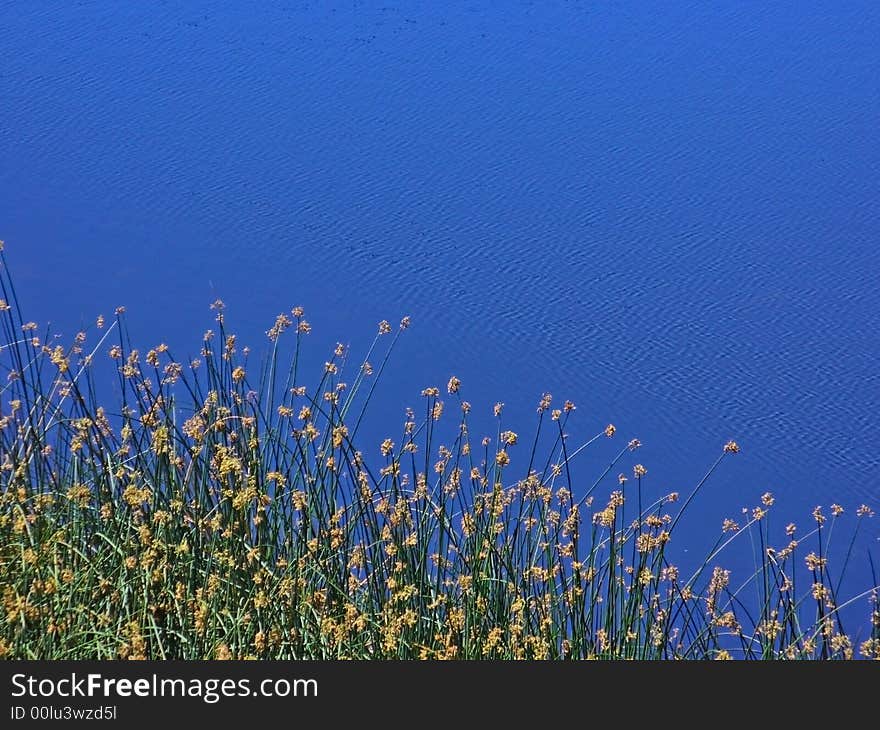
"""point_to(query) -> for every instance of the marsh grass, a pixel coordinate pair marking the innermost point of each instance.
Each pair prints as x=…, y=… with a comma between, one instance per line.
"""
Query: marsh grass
x=226, y=509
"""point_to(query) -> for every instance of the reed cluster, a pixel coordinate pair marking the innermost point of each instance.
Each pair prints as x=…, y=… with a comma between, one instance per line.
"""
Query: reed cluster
x=224, y=507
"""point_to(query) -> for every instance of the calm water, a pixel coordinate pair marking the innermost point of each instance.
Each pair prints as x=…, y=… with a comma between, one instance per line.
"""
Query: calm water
x=665, y=211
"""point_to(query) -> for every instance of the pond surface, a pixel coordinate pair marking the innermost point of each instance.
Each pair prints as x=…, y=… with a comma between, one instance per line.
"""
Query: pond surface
x=664, y=211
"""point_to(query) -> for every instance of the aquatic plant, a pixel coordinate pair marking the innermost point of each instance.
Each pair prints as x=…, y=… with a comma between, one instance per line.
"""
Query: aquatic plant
x=221, y=509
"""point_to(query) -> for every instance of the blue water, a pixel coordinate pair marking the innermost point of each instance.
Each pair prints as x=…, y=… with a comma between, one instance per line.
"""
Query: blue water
x=664, y=211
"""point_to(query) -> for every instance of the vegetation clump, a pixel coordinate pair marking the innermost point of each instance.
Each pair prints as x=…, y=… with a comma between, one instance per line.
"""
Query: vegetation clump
x=221, y=509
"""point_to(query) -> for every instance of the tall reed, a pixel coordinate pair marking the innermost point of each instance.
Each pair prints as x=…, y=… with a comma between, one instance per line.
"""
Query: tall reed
x=227, y=509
